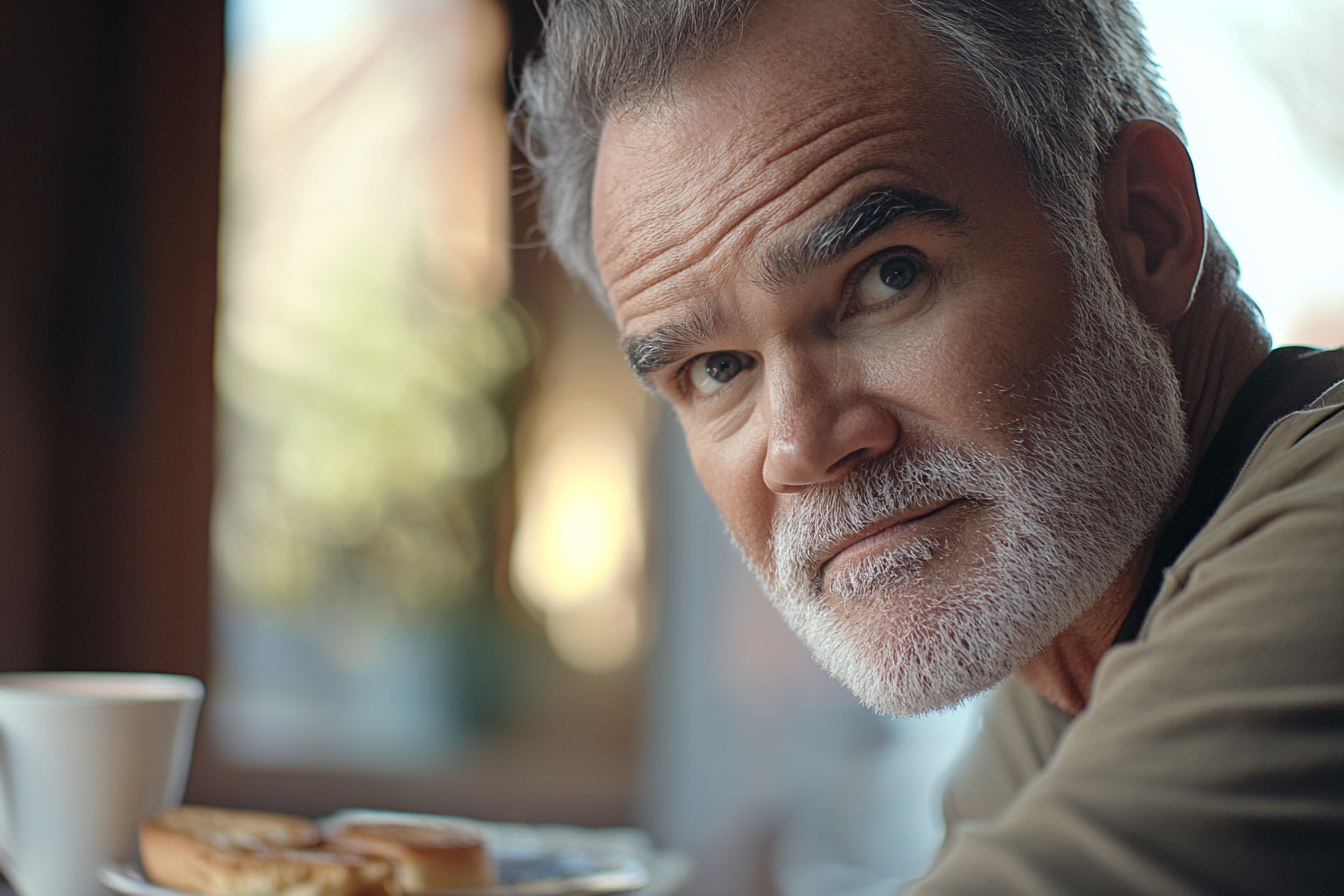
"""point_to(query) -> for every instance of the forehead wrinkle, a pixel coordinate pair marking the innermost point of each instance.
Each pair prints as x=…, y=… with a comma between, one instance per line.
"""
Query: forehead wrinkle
x=676, y=268
x=831, y=120
x=732, y=213
x=854, y=137
x=743, y=177
x=691, y=252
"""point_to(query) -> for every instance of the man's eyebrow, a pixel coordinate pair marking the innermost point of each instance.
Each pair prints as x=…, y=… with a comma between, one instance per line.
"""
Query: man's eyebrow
x=649, y=352
x=843, y=231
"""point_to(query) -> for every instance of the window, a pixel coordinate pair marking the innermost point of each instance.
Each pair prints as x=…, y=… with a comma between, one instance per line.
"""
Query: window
x=391, y=413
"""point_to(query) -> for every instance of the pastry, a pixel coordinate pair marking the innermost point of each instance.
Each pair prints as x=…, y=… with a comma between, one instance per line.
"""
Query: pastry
x=426, y=858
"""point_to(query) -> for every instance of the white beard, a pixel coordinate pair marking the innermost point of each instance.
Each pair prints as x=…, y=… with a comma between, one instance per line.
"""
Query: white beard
x=924, y=625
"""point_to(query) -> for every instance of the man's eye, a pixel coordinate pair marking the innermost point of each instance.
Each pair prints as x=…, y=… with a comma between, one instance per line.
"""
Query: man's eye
x=886, y=279
x=710, y=373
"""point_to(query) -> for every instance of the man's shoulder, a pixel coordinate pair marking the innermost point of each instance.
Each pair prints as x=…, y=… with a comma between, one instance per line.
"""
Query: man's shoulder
x=1292, y=479
x=1283, y=515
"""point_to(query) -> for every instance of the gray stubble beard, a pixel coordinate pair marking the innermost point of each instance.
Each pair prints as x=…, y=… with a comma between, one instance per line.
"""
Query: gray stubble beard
x=1105, y=453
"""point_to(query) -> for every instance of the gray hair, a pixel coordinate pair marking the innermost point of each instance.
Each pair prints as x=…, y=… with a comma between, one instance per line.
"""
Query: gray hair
x=1060, y=78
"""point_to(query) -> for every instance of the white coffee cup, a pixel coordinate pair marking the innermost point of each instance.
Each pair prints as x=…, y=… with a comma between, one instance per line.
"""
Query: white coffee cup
x=84, y=756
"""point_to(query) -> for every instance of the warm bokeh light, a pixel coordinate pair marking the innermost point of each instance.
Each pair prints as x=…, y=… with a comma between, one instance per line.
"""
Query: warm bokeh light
x=599, y=635
x=580, y=530
x=579, y=549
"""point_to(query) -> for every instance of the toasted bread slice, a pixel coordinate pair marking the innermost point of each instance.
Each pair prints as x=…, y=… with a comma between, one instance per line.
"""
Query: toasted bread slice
x=426, y=859
x=225, y=852
x=237, y=827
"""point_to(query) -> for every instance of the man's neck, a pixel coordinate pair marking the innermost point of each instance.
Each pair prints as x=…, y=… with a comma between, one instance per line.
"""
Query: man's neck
x=1214, y=347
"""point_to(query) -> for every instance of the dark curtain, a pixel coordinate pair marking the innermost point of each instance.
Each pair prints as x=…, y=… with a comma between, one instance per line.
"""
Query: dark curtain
x=109, y=186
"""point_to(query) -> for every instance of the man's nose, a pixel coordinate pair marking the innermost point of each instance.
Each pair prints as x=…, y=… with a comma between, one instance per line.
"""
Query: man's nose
x=820, y=434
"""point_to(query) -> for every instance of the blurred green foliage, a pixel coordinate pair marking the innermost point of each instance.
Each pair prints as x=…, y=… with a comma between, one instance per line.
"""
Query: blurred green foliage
x=361, y=435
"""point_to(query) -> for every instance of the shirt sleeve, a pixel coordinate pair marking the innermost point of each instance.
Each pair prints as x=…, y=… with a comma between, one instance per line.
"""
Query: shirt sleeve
x=1211, y=756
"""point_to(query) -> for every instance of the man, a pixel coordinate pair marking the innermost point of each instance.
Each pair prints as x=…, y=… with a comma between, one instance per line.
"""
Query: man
x=966, y=371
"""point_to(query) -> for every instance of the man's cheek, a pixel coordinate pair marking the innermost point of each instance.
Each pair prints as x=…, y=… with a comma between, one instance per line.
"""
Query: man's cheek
x=733, y=481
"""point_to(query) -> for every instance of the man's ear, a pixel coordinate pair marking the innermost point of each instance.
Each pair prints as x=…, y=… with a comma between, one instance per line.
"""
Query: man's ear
x=1153, y=220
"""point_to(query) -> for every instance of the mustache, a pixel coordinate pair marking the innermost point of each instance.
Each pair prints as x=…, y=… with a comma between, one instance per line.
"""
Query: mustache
x=919, y=475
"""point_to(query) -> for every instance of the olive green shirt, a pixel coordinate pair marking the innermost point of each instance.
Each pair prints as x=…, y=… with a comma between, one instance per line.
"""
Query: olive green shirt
x=1210, y=758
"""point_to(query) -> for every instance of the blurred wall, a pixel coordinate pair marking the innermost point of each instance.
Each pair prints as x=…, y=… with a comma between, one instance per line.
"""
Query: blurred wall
x=109, y=165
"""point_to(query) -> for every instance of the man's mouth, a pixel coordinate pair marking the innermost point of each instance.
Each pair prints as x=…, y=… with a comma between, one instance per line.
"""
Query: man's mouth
x=870, y=537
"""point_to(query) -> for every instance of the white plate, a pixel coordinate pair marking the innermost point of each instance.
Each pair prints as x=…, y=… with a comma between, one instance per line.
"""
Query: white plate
x=545, y=860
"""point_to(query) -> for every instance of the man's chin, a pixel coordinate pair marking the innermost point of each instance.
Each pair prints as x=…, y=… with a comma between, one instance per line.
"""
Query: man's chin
x=899, y=685
x=905, y=651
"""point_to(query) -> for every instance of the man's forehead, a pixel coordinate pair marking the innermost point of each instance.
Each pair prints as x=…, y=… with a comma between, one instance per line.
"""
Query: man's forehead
x=812, y=97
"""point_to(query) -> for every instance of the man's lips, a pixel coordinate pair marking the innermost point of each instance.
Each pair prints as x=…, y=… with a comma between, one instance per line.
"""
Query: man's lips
x=875, y=533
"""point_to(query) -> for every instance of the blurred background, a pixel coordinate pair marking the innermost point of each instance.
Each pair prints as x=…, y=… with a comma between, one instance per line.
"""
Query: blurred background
x=292, y=400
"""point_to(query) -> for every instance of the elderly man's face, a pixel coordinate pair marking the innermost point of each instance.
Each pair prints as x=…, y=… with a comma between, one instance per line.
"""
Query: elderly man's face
x=825, y=256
